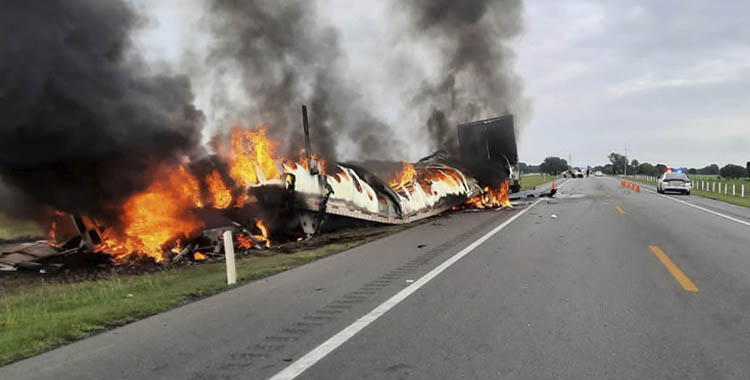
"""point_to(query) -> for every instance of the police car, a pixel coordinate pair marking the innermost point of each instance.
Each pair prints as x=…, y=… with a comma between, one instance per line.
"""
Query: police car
x=676, y=181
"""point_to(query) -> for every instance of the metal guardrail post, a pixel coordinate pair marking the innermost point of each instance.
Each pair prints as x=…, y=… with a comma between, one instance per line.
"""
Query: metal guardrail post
x=229, y=255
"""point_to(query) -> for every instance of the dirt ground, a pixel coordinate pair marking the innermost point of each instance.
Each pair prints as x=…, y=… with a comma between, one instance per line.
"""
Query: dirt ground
x=95, y=268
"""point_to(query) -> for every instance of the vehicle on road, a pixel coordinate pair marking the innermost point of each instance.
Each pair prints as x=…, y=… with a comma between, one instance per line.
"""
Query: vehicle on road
x=573, y=173
x=598, y=173
x=674, y=181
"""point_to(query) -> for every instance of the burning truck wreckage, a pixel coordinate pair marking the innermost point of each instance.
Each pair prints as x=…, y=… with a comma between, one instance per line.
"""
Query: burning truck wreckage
x=266, y=200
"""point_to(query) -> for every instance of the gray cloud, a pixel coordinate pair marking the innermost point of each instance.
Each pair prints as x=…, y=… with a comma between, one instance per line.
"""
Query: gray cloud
x=664, y=79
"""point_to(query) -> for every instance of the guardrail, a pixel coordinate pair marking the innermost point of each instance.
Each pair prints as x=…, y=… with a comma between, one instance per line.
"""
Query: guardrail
x=709, y=186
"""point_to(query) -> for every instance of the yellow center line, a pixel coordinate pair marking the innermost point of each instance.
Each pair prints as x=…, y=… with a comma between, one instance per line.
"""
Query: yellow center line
x=620, y=210
x=674, y=269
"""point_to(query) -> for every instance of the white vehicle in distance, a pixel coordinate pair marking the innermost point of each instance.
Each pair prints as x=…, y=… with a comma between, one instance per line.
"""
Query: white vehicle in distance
x=674, y=181
x=573, y=173
x=599, y=173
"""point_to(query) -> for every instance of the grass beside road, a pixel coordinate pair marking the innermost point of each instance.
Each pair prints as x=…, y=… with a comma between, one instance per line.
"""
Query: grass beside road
x=38, y=317
x=529, y=181
x=12, y=229
x=736, y=200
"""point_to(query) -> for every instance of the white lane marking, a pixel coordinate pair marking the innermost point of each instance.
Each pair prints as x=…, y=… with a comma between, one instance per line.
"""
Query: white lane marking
x=701, y=208
x=318, y=353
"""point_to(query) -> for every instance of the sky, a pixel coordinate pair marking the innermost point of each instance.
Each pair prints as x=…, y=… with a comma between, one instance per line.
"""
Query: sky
x=666, y=81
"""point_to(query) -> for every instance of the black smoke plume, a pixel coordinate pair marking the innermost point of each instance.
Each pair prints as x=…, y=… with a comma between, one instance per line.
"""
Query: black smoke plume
x=285, y=57
x=476, y=79
x=82, y=121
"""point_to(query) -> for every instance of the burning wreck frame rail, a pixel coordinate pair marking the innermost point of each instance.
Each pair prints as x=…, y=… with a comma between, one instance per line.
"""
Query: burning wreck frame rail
x=261, y=195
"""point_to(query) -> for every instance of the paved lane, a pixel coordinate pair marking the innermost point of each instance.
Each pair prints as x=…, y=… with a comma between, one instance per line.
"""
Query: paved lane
x=602, y=290
x=252, y=331
x=581, y=296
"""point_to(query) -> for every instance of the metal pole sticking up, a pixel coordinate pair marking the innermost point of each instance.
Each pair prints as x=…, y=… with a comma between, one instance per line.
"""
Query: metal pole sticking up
x=306, y=128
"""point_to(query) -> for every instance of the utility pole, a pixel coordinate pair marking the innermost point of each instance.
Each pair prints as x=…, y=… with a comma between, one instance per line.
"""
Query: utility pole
x=626, y=162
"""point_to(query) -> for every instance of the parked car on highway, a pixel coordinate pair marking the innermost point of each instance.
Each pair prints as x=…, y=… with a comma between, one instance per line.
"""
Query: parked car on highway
x=674, y=181
x=573, y=173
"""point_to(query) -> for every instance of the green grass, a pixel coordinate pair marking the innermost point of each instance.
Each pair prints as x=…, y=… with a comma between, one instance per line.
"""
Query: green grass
x=12, y=229
x=529, y=181
x=35, y=318
x=736, y=200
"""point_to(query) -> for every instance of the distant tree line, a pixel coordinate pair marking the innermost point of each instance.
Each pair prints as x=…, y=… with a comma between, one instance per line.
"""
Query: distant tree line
x=617, y=162
x=550, y=165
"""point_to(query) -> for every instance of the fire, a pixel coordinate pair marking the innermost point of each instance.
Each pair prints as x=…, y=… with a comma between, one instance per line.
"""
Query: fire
x=428, y=177
x=189, y=187
x=264, y=232
x=156, y=215
x=319, y=162
x=52, y=233
x=220, y=194
x=199, y=256
x=247, y=242
x=491, y=198
x=244, y=242
x=253, y=153
x=406, y=176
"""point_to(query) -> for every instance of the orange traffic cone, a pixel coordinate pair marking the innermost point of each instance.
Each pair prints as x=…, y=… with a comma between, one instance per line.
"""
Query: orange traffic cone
x=637, y=188
x=554, y=186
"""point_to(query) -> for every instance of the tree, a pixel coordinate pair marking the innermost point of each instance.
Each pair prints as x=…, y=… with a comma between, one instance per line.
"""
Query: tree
x=523, y=167
x=692, y=171
x=553, y=165
x=732, y=171
x=526, y=168
x=712, y=169
x=660, y=169
x=646, y=169
x=618, y=162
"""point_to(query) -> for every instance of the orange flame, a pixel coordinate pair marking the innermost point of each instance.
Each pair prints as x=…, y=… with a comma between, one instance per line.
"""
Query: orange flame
x=244, y=242
x=52, y=232
x=199, y=256
x=264, y=232
x=428, y=177
x=406, y=176
x=189, y=187
x=302, y=161
x=492, y=198
x=156, y=215
x=253, y=152
x=220, y=194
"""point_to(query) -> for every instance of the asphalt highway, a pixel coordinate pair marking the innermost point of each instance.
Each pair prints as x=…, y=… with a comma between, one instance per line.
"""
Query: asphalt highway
x=601, y=282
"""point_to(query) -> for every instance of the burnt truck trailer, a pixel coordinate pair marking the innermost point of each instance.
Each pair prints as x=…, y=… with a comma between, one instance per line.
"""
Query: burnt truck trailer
x=488, y=156
x=314, y=197
x=489, y=151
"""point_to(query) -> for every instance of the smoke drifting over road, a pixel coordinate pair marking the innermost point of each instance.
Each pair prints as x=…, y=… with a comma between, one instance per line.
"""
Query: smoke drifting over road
x=476, y=77
x=82, y=120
